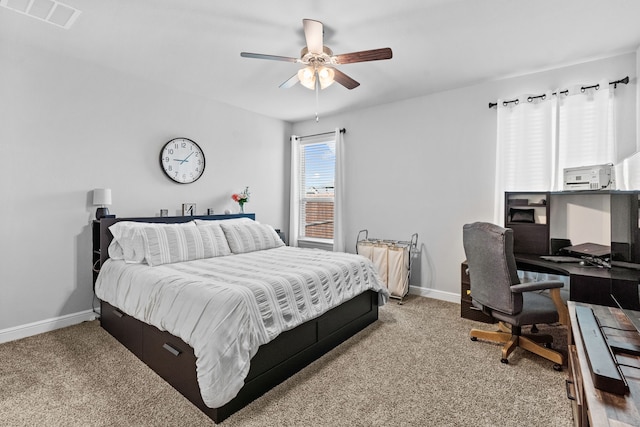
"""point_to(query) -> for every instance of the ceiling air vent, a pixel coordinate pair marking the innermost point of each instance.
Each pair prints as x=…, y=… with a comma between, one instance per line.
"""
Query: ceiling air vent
x=51, y=11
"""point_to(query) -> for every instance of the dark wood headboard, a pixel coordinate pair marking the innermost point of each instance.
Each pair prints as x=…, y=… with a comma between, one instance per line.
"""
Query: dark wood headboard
x=106, y=236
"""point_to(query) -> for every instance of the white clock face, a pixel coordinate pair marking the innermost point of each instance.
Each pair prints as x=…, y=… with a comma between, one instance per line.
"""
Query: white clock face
x=182, y=160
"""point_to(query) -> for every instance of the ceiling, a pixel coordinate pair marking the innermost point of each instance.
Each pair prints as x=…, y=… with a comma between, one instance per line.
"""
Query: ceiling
x=195, y=45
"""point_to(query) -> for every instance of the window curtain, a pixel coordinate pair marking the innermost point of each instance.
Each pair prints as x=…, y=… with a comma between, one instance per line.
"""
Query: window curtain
x=525, y=147
x=294, y=192
x=628, y=173
x=339, y=238
x=586, y=129
x=541, y=135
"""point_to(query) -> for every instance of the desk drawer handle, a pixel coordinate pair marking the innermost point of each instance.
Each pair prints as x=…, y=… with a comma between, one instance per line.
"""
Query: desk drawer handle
x=118, y=313
x=568, y=384
x=176, y=352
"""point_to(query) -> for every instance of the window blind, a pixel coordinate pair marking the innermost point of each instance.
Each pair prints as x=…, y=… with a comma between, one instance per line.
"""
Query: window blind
x=317, y=159
x=586, y=130
x=527, y=146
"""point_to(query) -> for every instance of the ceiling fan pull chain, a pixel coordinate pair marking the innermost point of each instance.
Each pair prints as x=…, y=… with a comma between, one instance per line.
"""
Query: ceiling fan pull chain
x=317, y=98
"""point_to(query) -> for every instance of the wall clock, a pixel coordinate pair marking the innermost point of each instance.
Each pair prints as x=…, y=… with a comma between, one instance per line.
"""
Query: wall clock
x=182, y=160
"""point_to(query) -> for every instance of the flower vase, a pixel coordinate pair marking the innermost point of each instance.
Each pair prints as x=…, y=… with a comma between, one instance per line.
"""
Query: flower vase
x=241, y=207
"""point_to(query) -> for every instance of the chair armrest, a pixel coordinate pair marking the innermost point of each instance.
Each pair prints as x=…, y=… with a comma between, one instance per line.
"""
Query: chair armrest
x=563, y=311
x=554, y=292
x=536, y=286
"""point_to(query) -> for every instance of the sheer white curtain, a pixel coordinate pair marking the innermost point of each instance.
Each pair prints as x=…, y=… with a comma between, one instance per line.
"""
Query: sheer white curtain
x=294, y=192
x=586, y=128
x=525, y=146
x=537, y=139
x=339, y=240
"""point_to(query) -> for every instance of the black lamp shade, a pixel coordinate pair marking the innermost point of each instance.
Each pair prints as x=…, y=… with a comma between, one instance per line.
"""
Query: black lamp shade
x=102, y=212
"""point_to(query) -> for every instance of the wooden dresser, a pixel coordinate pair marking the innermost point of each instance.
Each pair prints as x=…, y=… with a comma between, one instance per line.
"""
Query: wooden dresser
x=591, y=406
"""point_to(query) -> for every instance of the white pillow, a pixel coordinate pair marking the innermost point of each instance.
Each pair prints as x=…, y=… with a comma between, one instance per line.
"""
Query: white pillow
x=214, y=239
x=248, y=237
x=164, y=245
x=128, y=243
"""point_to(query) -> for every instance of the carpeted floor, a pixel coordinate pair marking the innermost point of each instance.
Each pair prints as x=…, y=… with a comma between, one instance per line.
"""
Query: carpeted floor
x=415, y=367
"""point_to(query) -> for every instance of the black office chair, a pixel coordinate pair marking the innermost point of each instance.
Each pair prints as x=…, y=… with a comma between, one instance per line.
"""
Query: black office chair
x=497, y=291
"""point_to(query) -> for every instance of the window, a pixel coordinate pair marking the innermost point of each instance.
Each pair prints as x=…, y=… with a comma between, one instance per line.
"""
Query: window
x=586, y=130
x=317, y=191
x=316, y=178
x=538, y=139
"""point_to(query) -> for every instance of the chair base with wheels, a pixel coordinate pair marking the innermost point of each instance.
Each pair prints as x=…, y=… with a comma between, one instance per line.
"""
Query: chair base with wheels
x=513, y=337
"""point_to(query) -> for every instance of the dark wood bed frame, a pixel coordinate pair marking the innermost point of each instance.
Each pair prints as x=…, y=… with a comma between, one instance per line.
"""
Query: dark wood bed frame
x=174, y=360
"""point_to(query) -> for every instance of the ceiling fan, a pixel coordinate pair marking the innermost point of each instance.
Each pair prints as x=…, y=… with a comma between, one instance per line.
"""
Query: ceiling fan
x=320, y=61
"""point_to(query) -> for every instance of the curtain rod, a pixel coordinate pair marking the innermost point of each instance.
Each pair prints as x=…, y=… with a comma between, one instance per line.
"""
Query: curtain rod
x=583, y=88
x=343, y=130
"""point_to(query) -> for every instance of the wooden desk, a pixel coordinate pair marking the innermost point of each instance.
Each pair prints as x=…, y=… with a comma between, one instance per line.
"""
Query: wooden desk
x=592, y=406
x=589, y=284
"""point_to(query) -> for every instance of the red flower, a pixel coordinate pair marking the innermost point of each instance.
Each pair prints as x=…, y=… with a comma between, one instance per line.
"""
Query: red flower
x=241, y=198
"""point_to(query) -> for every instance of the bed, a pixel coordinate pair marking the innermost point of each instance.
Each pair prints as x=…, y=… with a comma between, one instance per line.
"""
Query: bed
x=163, y=296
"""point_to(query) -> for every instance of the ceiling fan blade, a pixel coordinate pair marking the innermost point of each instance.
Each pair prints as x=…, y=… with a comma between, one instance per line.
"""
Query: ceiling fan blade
x=291, y=82
x=313, y=33
x=345, y=80
x=363, y=56
x=271, y=57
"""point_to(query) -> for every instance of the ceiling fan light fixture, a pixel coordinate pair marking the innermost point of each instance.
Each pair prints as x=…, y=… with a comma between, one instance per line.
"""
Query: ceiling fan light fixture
x=325, y=75
x=307, y=77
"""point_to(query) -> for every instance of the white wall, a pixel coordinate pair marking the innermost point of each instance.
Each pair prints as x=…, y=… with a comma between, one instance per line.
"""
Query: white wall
x=426, y=164
x=68, y=127
x=421, y=165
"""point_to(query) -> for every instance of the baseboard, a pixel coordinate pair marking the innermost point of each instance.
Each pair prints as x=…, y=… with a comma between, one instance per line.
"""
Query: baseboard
x=435, y=294
x=35, y=328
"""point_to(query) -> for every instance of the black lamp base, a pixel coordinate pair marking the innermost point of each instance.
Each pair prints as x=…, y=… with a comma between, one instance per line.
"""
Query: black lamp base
x=102, y=213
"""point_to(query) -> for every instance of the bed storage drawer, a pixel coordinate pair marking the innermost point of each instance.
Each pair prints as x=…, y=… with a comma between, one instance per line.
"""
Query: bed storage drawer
x=172, y=359
x=286, y=345
x=345, y=313
x=123, y=327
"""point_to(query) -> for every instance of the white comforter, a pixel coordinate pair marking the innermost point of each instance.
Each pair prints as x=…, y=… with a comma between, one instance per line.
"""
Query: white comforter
x=226, y=307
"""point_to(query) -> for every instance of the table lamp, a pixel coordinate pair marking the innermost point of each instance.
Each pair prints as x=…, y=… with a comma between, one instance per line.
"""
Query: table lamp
x=102, y=198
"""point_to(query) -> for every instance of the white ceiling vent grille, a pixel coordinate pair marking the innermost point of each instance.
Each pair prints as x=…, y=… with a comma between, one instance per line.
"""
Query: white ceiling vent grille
x=51, y=11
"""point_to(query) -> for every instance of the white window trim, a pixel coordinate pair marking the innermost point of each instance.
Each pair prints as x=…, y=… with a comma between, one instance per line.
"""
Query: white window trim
x=314, y=242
